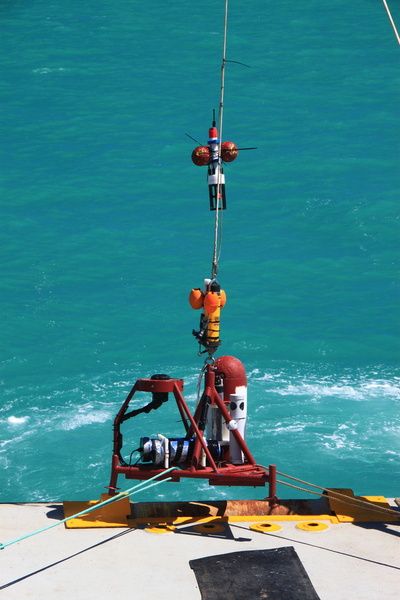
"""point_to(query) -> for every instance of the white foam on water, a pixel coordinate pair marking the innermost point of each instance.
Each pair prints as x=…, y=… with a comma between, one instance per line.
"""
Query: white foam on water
x=95, y=465
x=4, y=462
x=266, y=376
x=319, y=390
x=47, y=70
x=337, y=441
x=392, y=456
x=357, y=386
x=12, y=420
x=15, y=440
x=382, y=388
x=83, y=418
x=279, y=427
x=392, y=428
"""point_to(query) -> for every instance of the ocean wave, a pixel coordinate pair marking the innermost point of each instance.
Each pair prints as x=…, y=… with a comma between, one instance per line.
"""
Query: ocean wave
x=7, y=444
x=279, y=427
x=338, y=441
x=319, y=390
x=357, y=386
x=85, y=417
x=48, y=70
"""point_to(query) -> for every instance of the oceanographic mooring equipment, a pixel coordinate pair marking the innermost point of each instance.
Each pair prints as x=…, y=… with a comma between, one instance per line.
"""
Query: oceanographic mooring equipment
x=211, y=443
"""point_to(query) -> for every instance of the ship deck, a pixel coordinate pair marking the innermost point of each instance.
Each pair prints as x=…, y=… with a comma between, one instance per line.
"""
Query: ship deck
x=343, y=560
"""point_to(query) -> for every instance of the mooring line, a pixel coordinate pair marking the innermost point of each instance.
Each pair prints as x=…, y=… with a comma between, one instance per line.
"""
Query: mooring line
x=337, y=495
x=140, y=487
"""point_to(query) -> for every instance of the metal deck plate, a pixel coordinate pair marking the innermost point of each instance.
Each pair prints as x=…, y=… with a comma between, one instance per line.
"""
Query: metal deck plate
x=112, y=515
x=348, y=513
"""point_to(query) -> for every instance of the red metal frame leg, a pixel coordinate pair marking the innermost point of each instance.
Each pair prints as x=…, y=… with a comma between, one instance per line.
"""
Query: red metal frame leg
x=272, y=483
x=199, y=435
x=112, y=488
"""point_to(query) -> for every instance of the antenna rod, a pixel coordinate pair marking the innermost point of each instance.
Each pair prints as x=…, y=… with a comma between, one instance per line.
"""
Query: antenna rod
x=214, y=267
x=396, y=33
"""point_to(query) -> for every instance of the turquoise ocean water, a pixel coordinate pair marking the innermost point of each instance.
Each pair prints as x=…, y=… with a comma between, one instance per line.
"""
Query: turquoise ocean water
x=105, y=228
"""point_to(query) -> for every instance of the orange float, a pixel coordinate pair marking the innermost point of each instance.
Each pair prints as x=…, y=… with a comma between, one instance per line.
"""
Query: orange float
x=196, y=298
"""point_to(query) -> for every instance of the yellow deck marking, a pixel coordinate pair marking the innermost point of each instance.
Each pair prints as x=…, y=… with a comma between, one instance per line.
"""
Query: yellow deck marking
x=312, y=526
x=111, y=515
x=132, y=522
x=161, y=528
x=349, y=513
x=210, y=528
x=265, y=527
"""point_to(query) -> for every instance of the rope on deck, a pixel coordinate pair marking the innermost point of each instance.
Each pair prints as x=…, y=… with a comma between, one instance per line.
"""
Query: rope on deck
x=140, y=487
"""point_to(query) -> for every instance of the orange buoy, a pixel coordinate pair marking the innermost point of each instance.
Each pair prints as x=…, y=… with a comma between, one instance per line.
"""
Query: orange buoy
x=196, y=298
x=229, y=151
x=222, y=298
x=211, y=302
x=201, y=156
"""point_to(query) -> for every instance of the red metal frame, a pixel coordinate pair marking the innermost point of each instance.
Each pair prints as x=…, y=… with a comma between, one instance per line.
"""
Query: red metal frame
x=224, y=473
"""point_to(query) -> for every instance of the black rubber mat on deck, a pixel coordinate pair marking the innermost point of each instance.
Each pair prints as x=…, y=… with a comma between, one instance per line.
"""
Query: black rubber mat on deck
x=276, y=574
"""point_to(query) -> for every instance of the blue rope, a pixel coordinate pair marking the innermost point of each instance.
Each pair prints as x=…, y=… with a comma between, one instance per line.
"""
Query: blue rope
x=140, y=487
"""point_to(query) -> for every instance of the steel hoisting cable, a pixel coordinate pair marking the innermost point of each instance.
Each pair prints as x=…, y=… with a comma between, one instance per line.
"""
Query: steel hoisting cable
x=217, y=224
x=140, y=487
x=396, y=33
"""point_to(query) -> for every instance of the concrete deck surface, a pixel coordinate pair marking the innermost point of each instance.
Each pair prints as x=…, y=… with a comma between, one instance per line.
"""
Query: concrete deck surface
x=344, y=562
